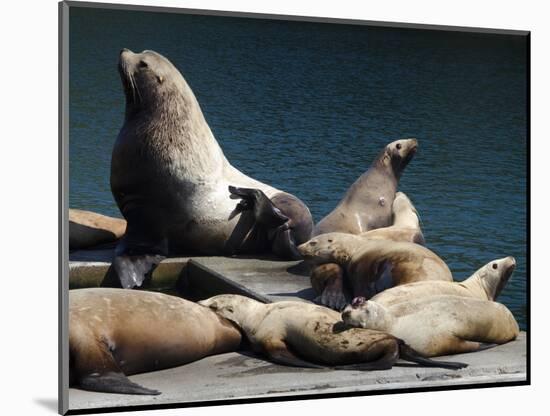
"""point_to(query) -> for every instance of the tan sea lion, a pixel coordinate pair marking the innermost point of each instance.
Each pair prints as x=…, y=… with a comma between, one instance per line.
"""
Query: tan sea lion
x=114, y=333
x=175, y=187
x=305, y=335
x=405, y=227
x=372, y=265
x=368, y=202
x=486, y=284
x=437, y=325
x=88, y=229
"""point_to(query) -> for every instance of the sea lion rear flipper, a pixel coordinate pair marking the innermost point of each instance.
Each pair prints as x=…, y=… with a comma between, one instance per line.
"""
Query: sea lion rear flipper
x=113, y=382
x=409, y=354
x=93, y=367
x=284, y=245
x=135, y=259
x=279, y=353
x=265, y=212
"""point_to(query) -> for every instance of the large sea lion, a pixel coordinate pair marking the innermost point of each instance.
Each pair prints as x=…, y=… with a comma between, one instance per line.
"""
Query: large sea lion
x=405, y=227
x=306, y=335
x=176, y=188
x=437, y=325
x=88, y=229
x=372, y=265
x=485, y=284
x=368, y=202
x=116, y=332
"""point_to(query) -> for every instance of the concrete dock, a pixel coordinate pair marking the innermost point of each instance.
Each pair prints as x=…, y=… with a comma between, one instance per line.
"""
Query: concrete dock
x=241, y=375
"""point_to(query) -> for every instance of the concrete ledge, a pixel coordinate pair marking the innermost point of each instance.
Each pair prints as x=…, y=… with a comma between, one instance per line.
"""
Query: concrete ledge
x=240, y=376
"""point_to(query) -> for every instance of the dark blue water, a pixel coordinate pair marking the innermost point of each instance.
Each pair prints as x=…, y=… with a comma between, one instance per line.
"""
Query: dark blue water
x=307, y=106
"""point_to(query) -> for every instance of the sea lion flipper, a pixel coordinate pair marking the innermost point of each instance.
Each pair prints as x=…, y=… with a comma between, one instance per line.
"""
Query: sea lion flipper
x=113, y=382
x=279, y=353
x=135, y=259
x=409, y=354
x=265, y=212
x=284, y=245
x=334, y=294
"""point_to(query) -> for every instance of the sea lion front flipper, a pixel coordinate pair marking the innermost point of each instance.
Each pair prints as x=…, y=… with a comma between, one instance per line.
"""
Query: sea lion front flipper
x=335, y=295
x=136, y=258
x=112, y=382
x=278, y=352
x=265, y=212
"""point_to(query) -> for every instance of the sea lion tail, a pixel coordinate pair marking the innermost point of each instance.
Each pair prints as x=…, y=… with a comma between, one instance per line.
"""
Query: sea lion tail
x=409, y=354
x=112, y=382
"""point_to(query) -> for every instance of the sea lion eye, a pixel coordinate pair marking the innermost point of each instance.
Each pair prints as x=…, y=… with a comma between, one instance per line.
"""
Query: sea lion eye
x=143, y=64
x=313, y=243
x=330, y=241
x=495, y=266
x=398, y=145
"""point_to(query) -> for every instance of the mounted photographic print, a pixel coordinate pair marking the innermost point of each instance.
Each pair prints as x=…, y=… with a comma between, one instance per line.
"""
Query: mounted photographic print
x=263, y=208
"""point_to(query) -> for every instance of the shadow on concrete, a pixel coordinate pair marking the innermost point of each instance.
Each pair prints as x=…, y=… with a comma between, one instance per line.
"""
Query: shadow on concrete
x=301, y=269
x=49, y=404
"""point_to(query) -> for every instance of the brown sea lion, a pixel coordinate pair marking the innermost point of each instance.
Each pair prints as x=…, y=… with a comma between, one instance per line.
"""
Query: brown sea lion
x=114, y=333
x=405, y=227
x=175, y=187
x=486, y=284
x=372, y=265
x=305, y=335
x=88, y=229
x=368, y=202
x=437, y=325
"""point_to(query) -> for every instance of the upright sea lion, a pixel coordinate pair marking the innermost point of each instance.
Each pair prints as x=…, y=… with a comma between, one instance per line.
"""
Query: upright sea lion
x=176, y=188
x=88, y=229
x=437, y=325
x=368, y=202
x=306, y=335
x=485, y=284
x=372, y=265
x=405, y=227
x=115, y=332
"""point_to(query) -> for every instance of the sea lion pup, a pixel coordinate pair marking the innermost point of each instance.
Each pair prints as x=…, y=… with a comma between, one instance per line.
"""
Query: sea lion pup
x=330, y=276
x=485, y=284
x=175, y=187
x=371, y=265
x=437, y=325
x=368, y=202
x=406, y=224
x=305, y=335
x=116, y=332
x=88, y=229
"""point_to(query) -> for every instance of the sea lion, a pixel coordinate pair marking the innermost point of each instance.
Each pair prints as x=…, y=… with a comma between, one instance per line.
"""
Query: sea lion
x=405, y=227
x=437, y=325
x=116, y=332
x=372, y=265
x=485, y=284
x=88, y=229
x=175, y=187
x=406, y=224
x=368, y=202
x=305, y=335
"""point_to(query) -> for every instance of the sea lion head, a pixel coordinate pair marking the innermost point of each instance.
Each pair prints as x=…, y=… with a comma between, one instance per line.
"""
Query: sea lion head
x=495, y=274
x=398, y=154
x=328, y=248
x=362, y=313
x=235, y=308
x=151, y=82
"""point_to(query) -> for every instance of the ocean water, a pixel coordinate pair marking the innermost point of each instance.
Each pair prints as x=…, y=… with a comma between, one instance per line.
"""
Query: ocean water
x=307, y=106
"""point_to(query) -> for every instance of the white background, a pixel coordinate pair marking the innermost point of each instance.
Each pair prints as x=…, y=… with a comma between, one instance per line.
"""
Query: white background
x=28, y=167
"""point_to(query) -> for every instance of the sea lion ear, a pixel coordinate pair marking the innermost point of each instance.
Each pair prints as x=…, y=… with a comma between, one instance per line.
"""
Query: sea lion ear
x=160, y=78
